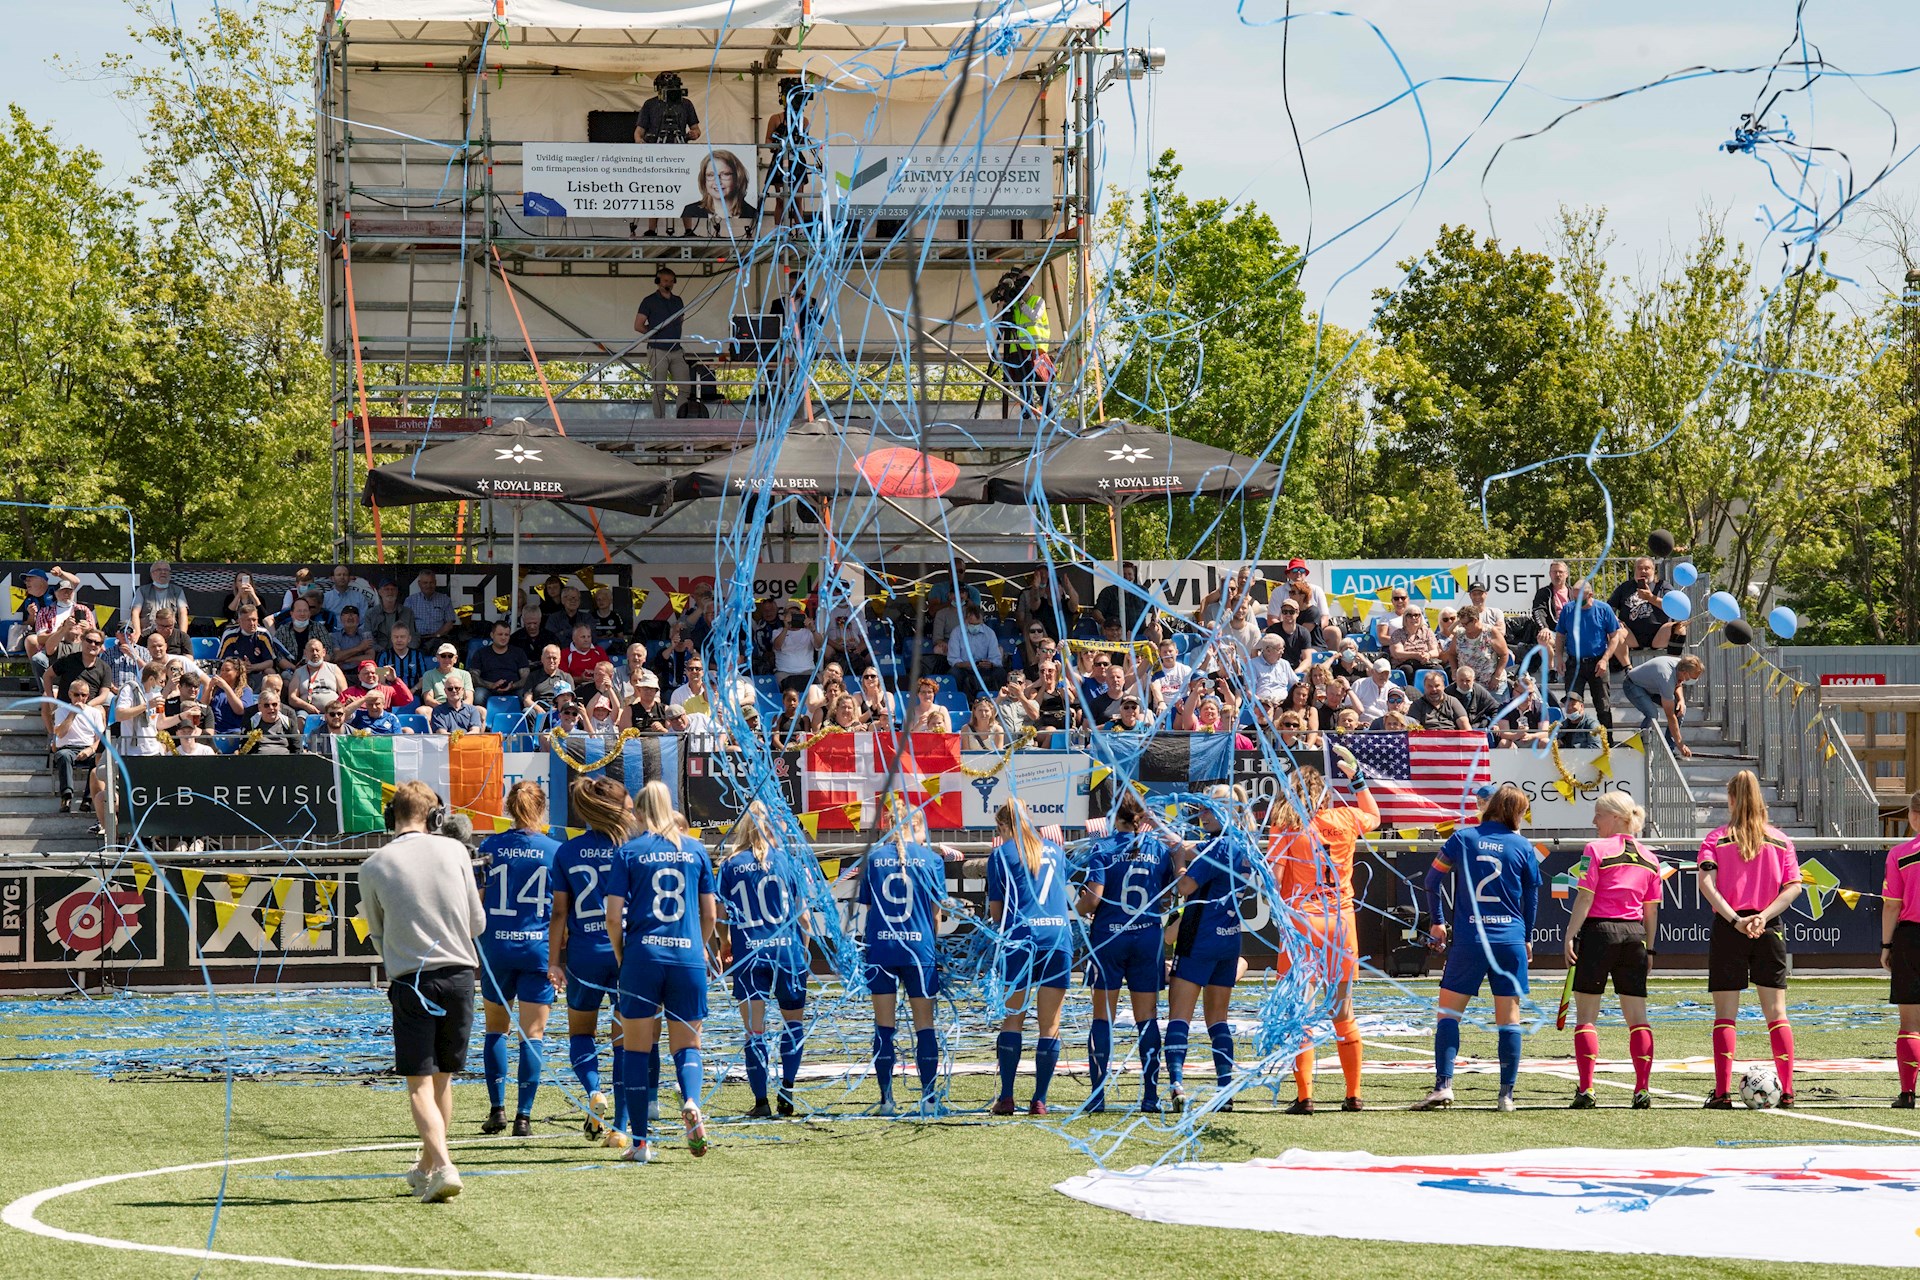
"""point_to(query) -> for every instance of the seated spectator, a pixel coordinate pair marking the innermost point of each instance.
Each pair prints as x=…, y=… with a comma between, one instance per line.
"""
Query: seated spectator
x=1269, y=672
x=845, y=715
x=1350, y=663
x=1230, y=593
x=316, y=684
x=344, y=592
x=279, y=735
x=408, y=664
x=1447, y=621
x=1391, y=623
x=1484, y=648
x=1127, y=719
x=1100, y=690
x=623, y=679
x=140, y=710
x=603, y=714
x=1051, y=707
x=184, y=676
x=1315, y=612
x=646, y=712
x=543, y=683
x=157, y=593
x=1415, y=648
x=1239, y=634
x=333, y=724
x=531, y=638
x=832, y=684
x=189, y=736
x=1370, y=696
x=432, y=612
x=1436, y=708
x=231, y=697
x=295, y=629
x=1529, y=721
x=1294, y=736
x=550, y=599
x=166, y=625
x=349, y=644
x=1298, y=700
x=697, y=727
x=983, y=730
x=794, y=645
x=297, y=589
x=1346, y=720
x=604, y=682
x=693, y=694
x=1549, y=602
x=1013, y=706
x=1657, y=690
x=1210, y=717
x=499, y=667
x=371, y=716
x=1481, y=706
x=875, y=701
x=79, y=741
x=1119, y=606
x=251, y=647
x=1295, y=640
x=388, y=611
x=611, y=625
x=926, y=715
x=432, y=686
x=39, y=610
x=371, y=676
x=789, y=727
x=125, y=659
x=1396, y=711
x=846, y=637
x=973, y=654
x=1643, y=623
x=570, y=722
x=1490, y=618
x=1579, y=729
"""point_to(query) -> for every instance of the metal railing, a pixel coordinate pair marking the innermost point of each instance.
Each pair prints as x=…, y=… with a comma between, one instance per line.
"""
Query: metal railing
x=1672, y=810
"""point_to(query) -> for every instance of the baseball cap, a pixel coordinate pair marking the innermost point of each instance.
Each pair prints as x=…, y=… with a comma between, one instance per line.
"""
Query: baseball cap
x=1477, y=584
x=1483, y=792
x=62, y=585
x=35, y=573
x=1396, y=694
x=446, y=651
x=646, y=679
x=368, y=664
x=1382, y=665
x=563, y=688
x=1296, y=565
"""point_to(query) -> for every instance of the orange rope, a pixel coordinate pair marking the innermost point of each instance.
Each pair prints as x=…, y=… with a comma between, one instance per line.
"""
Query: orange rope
x=606, y=556
x=459, y=532
x=360, y=376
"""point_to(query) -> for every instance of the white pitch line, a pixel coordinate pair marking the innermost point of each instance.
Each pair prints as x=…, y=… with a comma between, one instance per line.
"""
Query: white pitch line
x=21, y=1216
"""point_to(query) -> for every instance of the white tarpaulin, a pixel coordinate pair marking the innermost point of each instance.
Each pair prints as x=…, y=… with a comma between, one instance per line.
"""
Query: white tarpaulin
x=1852, y=1205
x=715, y=15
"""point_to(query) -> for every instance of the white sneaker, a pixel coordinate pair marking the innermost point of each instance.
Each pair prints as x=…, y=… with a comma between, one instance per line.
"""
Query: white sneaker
x=1505, y=1103
x=440, y=1186
x=416, y=1178
x=638, y=1153
x=1439, y=1100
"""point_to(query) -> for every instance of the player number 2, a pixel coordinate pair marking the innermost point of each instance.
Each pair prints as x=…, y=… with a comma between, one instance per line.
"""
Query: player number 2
x=1480, y=893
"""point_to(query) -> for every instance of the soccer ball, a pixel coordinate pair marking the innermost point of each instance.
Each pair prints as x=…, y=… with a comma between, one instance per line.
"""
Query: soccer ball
x=1760, y=1087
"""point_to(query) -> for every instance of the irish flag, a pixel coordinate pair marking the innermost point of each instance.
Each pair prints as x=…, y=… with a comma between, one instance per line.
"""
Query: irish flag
x=469, y=772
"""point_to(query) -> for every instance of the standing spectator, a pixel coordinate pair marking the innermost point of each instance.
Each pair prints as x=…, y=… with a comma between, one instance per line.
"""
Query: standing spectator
x=279, y=736
x=423, y=912
x=1169, y=680
x=433, y=684
x=646, y=713
x=302, y=581
x=1481, y=706
x=1656, y=688
x=432, y=608
x=1549, y=602
x=457, y=711
x=1039, y=604
x=926, y=715
x=500, y=666
x=316, y=684
x=1481, y=645
x=372, y=716
x=126, y=659
x=794, y=645
x=79, y=739
x=610, y=625
x=346, y=591
x=87, y=662
x=1586, y=629
x=38, y=611
x=172, y=633
x=251, y=647
x=1229, y=594
x=295, y=629
x=693, y=694
x=407, y=663
x=157, y=593
x=659, y=320
x=1023, y=335
x=140, y=710
x=350, y=644
x=1636, y=602
x=244, y=593
x=1491, y=618
x=387, y=613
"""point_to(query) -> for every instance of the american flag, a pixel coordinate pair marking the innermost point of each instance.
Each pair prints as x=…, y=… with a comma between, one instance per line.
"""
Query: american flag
x=1418, y=778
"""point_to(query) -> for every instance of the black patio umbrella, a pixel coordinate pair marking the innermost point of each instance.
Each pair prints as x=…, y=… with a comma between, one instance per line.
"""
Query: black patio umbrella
x=831, y=464
x=1124, y=461
x=518, y=463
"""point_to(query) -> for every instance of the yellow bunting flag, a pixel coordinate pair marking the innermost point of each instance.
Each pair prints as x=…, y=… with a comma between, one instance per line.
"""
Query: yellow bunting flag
x=323, y=890
x=222, y=912
x=809, y=823
x=1433, y=617
x=1563, y=787
x=142, y=876
x=19, y=601
x=1604, y=767
x=931, y=786
x=694, y=832
x=237, y=883
x=853, y=810
x=638, y=595
x=1445, y=827
x=1425, y=587
x=360, y=927
x=586, y=576
x=282, y=886
x=1409, y=833
x=270, y=921
x=191, y=877
x=1384, y=594
x=1849, y=896
x=101, y=612
x=830, y=868
x=1636, y=743
x=677, y=600
x=500, y=603
x=1100, y=774
x=1460, y=577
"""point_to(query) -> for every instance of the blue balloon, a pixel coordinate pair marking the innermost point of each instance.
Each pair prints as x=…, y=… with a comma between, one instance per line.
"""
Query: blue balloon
x=1723, y=606
x=1676, y=605
x=1783, y=623
x=1684, y=574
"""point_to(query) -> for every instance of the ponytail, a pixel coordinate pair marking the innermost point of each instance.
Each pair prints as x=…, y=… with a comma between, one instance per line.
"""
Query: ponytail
x=1013, y=821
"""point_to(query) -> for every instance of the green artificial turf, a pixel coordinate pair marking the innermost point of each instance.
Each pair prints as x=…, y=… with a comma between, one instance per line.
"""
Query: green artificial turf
x=966, y=1196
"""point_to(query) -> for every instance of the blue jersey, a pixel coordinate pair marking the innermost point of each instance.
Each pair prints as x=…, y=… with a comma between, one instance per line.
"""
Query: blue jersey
x=1038, y=911
x=1220, y=873
x=515, y=890
x=580, y=867
x=660, y=881
x=1132, y=872
x=763, y=905
x=1496, y=882
x=901, y=890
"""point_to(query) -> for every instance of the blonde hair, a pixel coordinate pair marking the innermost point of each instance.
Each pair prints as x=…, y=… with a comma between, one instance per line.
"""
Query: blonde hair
x=1012, y=821
x=1621, y=806
x=1746, y=814
x=1310, y=787
x=601, y=805
x=527, y=805
x=654, y=808
x=753, y=833
x=413, y=801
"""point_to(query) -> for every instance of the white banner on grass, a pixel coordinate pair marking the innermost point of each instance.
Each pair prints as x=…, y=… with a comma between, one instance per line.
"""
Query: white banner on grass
x=1779, y=1204
x=1053, y=784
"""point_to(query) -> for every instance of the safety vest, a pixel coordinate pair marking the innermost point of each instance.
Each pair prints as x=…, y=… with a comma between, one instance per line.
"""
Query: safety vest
x=1030, y=330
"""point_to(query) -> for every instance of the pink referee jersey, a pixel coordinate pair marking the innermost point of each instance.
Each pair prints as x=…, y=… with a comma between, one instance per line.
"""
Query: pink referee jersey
x=1623, y=876
x=1749, y=885
x=1903, y=878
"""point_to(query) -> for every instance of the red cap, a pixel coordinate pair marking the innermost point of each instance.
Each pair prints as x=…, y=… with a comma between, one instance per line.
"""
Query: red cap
x=1296, y=563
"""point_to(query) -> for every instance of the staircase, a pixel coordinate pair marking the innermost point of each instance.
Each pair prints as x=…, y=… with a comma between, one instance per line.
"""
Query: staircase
x=31, y=823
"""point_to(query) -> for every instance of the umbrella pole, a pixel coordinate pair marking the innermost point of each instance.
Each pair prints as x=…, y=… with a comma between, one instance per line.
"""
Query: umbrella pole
x=1119, y=556
x=513, y=587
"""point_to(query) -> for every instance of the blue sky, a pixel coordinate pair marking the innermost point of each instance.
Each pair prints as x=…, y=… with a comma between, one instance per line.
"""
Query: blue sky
x=1653, y=159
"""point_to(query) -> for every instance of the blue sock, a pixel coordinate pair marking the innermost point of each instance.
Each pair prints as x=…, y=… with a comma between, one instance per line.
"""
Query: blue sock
x=1510, y=1041
x=1446, y=1047
x=493, y=1058
x=1046, y=1056
x=1221, y=1036
x=793, y=1039
x=687, y=1068
x=533, y=1064
x=620, y=1109
x=584, y=1056
x=1099, y=1055
x=1150, y=1061
x=883, y=1061
x=756, y=1055
x=1007, y=1049
x=634, y=1085
x=1176, y=1054
x=926, y=1058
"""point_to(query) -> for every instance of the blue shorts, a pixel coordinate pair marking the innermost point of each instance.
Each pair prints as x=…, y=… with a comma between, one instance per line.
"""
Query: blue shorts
x=1023, y=967
x=1468, y=966
x=922, y=981
x=676, y=991
x=1208, y=971
x=505, y=979
x=765, y=977
x=591, y=978
x=1135, y=959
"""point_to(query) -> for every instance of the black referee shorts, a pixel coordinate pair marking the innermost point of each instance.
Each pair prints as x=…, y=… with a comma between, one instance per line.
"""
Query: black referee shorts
x=1734, y=959
x=1904, y=959
x=432, y=1021
x=1614, y=949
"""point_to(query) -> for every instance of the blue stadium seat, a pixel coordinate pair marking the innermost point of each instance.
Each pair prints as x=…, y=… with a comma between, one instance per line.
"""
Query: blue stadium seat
x=474, y=649
x=313, y=724
x=1183, y=641
x=956, y=704
x=417, y=723
x=205, y=648
x=1556, y=714
x=946, y=683
x=1398, y=677
x=889, y=668
x=767, y=689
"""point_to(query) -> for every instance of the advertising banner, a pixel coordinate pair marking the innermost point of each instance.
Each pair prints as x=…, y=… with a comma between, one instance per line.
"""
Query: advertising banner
x=716, y=790
x=197, y=796
x=1052, y=784
x=967, y=181
x=635, y=180
x=65, y=919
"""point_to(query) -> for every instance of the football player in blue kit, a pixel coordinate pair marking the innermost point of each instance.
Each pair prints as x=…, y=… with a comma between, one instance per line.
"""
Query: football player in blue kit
x=1496, y=892
x=582, y=961
x=661, y=911
x=1028, y=898
x=1129, y=876
x=765, y=950
x=514, y=872
x=1207, y=951
x=903, y=881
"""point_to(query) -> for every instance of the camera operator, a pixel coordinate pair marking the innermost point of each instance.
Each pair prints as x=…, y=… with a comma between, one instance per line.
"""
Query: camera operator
x=793, y=153
x=667, y=119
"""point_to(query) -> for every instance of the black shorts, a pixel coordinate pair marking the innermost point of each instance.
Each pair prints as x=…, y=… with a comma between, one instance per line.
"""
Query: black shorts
x=432, y=1021
x=1614, y=949
x=1734, y=959
x=1904, y=959
x=1643, y=630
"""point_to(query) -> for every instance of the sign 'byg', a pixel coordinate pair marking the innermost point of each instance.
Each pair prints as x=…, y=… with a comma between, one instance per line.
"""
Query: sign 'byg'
x=894, y=182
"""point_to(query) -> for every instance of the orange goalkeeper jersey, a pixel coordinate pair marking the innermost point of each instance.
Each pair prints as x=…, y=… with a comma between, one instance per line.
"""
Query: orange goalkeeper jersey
x=1314, y=867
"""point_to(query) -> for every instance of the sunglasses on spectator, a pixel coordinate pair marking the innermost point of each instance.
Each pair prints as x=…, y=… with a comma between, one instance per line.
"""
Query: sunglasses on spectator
x=1398, y=599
